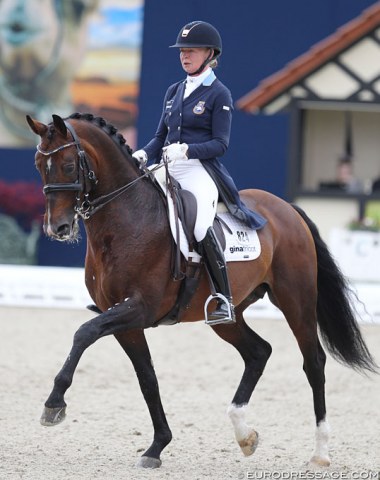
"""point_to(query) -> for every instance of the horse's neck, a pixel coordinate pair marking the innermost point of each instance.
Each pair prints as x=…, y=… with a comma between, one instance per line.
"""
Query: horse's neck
x=115, y=169
x=139, y=213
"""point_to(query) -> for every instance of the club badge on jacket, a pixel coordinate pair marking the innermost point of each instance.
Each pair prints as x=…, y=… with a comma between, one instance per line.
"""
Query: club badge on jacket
x=199, y=108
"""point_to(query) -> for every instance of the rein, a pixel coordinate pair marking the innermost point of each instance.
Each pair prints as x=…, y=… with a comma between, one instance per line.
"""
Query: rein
x=87, y=207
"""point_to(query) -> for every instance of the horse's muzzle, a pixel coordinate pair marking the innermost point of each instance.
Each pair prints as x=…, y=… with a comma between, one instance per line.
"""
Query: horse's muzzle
x=63, y=232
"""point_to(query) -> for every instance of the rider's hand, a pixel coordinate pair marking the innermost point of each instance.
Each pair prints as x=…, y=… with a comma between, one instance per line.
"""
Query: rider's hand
x=141, y=157
x=174, y=152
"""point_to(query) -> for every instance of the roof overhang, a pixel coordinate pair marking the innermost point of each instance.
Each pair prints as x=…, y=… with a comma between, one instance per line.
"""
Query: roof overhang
x=343, y=67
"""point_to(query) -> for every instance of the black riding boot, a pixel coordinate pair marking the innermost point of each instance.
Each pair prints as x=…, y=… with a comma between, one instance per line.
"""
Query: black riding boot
x=213, y=255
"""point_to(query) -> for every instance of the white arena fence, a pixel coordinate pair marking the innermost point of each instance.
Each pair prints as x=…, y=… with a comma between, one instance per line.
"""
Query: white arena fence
x=63, y=287
x=50, y=287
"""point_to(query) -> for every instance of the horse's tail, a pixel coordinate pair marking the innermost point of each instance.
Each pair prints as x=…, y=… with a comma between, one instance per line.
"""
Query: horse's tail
x=335, y=310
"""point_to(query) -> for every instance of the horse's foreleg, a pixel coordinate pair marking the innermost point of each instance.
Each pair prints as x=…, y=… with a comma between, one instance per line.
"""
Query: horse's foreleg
x=125, y=316
x=135, y=345
x=255, y=352
x=55, y=406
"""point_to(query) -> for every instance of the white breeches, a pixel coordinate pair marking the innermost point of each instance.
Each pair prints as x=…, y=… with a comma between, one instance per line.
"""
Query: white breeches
x=193, y=177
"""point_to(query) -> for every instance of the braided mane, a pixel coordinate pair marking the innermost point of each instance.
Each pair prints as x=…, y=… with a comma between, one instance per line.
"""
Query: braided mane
x=108, y=128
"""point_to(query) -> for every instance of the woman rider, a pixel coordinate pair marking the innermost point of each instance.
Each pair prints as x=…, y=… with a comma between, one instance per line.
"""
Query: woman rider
x=193, y=132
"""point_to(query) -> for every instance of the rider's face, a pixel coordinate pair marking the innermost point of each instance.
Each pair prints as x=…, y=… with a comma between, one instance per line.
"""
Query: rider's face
x=192, y=58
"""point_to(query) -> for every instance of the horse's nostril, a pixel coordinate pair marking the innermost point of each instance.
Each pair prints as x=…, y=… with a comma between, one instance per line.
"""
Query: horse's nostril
x=63, y=230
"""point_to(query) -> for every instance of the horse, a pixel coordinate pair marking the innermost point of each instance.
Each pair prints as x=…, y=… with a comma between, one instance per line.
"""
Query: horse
x=42, y=46
x=88, y=173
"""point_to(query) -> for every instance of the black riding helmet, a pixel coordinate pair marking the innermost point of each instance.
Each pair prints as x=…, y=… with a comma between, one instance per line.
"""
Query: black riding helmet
x=200, y=34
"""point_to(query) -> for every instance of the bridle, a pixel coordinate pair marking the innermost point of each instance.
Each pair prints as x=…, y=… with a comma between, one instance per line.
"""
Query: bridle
x=86, y=176
x=85, y=180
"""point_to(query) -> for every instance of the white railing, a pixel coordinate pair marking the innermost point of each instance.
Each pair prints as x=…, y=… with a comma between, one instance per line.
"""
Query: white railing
x=61, y=287
x=32, y=286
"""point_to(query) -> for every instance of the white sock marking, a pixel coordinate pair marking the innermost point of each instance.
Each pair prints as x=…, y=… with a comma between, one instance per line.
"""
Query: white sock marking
x=237, y=415
x=322, y=435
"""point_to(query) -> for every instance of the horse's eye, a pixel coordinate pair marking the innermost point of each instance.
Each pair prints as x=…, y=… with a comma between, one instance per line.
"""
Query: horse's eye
x=68, y=168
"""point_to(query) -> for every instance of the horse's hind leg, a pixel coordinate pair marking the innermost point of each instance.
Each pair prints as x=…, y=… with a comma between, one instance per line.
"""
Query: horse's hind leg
x=255, y=352
x=301, y=318
x=135, y=345
x=314, y=368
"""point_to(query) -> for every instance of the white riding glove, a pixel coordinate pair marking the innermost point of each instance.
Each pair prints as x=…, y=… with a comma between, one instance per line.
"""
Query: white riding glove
x=141, y=156
x=175, y=151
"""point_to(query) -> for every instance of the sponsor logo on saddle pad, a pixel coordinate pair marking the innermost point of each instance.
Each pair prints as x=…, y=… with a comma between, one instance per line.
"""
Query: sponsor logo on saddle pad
x=243, y=243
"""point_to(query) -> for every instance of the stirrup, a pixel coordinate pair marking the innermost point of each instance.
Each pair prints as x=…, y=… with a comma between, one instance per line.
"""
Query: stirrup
x=229, y=318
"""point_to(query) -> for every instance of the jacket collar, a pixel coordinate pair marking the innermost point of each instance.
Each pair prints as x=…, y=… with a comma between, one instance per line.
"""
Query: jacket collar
x=209, y=79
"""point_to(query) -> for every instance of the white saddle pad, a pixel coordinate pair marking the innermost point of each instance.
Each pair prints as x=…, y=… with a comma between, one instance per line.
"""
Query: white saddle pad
x=241, y=245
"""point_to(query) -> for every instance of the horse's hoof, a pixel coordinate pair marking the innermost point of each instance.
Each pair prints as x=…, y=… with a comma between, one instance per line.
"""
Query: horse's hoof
x=52, y=416
x=149, y=462
x=249, y=444
x=317, y=461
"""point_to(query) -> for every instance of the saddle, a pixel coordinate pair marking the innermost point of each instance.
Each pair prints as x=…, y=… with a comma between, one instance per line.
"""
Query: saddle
x=186, y=206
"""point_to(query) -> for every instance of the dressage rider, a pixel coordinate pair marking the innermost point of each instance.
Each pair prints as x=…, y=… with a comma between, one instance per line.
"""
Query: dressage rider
x=193, y=132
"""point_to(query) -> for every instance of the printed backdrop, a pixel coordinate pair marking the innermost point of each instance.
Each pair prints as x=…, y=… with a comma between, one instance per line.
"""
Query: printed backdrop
x=58, y=56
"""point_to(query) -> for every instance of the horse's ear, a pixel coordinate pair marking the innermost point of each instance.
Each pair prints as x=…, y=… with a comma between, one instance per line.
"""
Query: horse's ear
x=60, y=125
x=37, y=127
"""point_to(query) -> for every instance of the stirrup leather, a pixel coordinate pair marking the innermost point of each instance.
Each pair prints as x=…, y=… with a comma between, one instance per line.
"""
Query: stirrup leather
x=229, y=318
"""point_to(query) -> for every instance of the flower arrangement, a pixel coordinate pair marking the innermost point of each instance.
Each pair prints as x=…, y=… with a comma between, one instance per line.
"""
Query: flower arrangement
x=22, y=200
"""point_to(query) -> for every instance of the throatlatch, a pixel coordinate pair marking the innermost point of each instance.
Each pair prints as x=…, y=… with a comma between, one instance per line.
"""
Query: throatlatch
x=213, y=255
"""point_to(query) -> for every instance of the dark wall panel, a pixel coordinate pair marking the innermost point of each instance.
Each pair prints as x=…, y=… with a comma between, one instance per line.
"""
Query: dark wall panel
x=259, y=38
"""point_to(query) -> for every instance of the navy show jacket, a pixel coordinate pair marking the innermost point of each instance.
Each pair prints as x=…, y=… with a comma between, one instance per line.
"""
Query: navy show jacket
x=203, y=122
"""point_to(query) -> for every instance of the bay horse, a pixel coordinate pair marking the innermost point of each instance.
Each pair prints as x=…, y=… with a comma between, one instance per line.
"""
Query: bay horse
x=88, y=171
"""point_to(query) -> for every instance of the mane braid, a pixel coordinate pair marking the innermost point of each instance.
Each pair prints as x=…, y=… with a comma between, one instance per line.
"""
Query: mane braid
x=109, y=129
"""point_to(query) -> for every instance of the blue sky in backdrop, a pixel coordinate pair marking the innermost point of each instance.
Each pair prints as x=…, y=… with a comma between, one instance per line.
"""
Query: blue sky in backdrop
x=117, y=26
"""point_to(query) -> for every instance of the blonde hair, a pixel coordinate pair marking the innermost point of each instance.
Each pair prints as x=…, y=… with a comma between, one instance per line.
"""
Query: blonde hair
x=213, y=63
